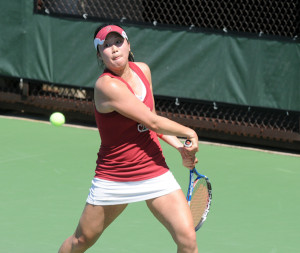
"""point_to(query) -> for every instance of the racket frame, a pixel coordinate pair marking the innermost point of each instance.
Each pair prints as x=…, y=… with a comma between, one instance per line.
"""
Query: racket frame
x=194, y=173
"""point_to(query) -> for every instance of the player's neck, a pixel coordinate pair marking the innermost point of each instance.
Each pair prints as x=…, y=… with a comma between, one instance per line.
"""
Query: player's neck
x=124, y=73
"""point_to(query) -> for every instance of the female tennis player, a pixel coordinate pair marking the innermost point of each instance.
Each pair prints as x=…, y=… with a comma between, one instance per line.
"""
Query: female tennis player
x=130, y=165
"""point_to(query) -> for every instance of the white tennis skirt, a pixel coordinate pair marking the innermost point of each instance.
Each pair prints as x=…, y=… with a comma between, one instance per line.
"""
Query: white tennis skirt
x=104, y=192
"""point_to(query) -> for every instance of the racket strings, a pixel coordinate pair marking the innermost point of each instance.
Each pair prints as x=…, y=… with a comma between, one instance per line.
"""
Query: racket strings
x=200, y=201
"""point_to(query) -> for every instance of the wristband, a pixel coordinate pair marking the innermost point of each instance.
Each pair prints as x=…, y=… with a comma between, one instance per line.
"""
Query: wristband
x=160, y=135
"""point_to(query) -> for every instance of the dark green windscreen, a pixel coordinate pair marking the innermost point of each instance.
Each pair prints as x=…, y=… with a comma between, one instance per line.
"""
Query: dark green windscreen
x=184, y=64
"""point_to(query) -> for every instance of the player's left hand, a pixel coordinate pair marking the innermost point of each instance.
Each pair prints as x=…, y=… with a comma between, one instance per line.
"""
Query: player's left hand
x=188, y=160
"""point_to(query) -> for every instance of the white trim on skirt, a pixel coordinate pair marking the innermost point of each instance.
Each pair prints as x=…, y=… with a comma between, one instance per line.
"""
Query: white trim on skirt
x=105, y=192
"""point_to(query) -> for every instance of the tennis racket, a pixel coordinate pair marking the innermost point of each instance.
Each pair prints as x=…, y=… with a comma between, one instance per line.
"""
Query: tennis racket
x=199, y=195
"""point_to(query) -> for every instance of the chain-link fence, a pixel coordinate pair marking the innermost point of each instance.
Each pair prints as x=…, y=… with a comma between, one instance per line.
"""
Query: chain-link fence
x=213, y=121
x=261, y=17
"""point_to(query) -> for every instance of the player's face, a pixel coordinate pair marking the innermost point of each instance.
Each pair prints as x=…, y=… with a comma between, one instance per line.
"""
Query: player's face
x=115, y=51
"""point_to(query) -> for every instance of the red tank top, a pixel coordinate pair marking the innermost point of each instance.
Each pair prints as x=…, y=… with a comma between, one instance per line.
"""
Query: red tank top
x=128, y=151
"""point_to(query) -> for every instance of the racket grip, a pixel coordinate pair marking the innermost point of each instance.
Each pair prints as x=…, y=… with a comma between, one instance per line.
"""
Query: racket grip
x=188, y=143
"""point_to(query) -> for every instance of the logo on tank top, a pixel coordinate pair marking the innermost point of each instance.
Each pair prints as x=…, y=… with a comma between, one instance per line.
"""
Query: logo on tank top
x=141, y=128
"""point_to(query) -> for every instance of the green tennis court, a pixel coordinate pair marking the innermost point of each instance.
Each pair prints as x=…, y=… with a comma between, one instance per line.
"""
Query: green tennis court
x=45, y=175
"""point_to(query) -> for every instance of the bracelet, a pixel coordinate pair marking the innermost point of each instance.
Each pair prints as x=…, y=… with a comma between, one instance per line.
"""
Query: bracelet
x=160, y=135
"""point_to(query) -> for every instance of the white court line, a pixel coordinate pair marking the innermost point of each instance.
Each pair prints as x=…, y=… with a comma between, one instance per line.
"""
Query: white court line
x=251, y=148
x=201, y=142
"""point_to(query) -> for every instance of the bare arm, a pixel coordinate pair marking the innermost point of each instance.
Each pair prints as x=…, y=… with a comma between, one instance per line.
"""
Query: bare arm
x=112, y=95
x=188, y=156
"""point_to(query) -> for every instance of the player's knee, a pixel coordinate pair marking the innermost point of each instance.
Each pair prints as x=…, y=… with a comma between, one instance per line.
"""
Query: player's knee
x=189, y=241
x=81, y=243
x=192, y=239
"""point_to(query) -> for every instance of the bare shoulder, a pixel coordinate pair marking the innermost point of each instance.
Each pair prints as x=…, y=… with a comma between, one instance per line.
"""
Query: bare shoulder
x=107, y=84
x=108, y=92
x=144, y=67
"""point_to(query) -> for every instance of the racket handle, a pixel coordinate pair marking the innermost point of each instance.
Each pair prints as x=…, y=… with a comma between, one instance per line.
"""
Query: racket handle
x=188, y=143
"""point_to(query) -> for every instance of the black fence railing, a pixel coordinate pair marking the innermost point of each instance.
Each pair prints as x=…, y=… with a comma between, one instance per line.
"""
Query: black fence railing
x=261, y=17
x=211, y=120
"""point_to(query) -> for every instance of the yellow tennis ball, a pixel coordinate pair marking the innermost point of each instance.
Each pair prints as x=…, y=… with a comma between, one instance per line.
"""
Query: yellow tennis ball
x=57, y=119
